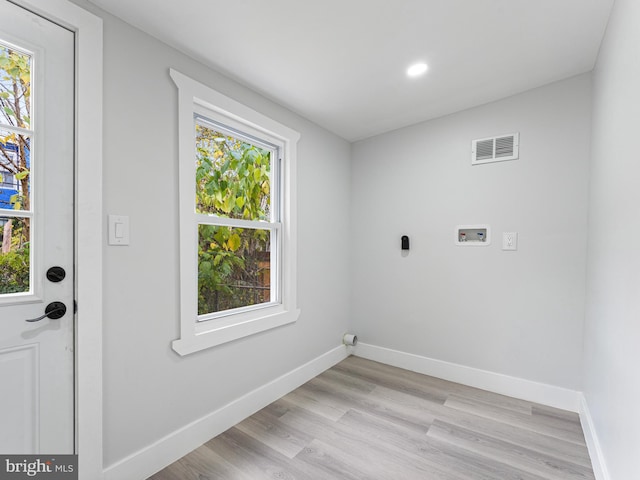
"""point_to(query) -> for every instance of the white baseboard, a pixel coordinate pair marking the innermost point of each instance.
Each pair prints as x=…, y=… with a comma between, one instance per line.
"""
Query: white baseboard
x=593, y=444
x=495, y=382
x=165, y=451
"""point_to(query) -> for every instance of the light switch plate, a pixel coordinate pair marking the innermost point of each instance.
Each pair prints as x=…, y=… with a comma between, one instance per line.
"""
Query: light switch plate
x=118, y=230
x=509, y=240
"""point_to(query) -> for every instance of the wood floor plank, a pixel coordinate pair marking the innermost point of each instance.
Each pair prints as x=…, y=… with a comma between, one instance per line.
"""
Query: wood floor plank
x=371, y=440
x=275, y=409
x=416, y=418
x=481, y=466
x=390, y=379
x=545, y=425
x=431, y=388
x=362, y=439
x=331, y=465
x=547, y=466
x=563, y=415
x=365, y=420
x=259, y=460
x=267, y=429
x=567, y=420
x=506, y=428
x=351, y=382
x=421, y=456
x=412, y=411
x=249, y=462
x=202, y=464
x=321, y=402
x=513, y=434
x=320, y=406
x=372, y=464
x=407, y=445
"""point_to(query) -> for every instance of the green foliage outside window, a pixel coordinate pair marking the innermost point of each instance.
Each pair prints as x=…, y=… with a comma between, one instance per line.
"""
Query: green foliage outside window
x=232, y=181
x=15, y=111
x=14, y=269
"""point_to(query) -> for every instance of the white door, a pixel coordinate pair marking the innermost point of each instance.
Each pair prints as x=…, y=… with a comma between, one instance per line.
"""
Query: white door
x=36, y=226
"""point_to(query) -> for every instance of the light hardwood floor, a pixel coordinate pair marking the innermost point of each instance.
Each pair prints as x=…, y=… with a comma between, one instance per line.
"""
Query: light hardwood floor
x=365, y=420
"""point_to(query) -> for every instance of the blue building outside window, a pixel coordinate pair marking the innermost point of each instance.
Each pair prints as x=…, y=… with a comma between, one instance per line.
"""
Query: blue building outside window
x=9, y=185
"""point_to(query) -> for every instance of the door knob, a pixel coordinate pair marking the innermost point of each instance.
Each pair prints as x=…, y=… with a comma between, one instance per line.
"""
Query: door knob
x=54, y=311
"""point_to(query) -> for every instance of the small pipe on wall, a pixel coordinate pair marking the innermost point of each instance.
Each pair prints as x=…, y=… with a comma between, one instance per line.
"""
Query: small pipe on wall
x=350, y=339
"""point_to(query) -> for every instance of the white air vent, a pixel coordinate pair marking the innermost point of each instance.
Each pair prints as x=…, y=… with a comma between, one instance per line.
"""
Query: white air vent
x=494, y=149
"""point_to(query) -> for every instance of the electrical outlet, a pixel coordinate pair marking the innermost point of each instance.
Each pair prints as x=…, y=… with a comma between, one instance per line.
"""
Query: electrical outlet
x=509, y=240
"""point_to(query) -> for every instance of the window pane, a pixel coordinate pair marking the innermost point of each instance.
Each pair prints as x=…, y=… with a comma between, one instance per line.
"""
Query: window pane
x=14, y=255
x=15, y=176
x=232, y=176
x=234, y=268
x=15, y=87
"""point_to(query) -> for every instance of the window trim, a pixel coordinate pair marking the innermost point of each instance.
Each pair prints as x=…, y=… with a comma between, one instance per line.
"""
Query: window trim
x=193, y=97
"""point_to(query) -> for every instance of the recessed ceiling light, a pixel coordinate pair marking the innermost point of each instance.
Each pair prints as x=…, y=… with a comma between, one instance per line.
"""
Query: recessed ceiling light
x=417, y=69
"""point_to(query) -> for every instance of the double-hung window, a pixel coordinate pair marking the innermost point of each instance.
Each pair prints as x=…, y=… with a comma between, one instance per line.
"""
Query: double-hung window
x=237, y=219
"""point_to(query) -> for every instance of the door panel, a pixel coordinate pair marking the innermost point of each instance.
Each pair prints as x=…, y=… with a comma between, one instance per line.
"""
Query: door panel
x=36, y=198
x=19, y=373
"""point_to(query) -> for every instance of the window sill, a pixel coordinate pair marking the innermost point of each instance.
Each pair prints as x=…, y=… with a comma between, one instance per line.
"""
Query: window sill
x=210, y=333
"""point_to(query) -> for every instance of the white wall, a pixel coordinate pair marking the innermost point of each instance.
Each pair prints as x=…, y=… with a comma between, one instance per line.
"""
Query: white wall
x=612, y=331
x=516, y=313
x=150, y=391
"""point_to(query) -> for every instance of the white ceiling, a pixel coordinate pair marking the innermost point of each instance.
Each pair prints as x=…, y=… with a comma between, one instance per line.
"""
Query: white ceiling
x=342, y=63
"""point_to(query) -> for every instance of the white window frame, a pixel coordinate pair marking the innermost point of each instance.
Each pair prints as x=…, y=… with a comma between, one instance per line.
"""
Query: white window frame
x=195, y=98
x=213, y=120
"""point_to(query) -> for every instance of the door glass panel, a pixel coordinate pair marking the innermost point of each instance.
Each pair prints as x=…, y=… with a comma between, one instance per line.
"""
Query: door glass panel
x=15, y=171
x=234, y=267
x=15, y=87
x=15, y=234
